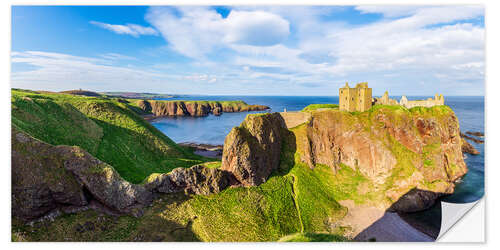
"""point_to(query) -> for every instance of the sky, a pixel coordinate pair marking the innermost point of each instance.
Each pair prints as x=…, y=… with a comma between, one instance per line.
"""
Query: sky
x=250, y=50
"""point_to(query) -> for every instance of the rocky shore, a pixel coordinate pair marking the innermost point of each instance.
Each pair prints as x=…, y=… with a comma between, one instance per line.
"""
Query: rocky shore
x=207, y=150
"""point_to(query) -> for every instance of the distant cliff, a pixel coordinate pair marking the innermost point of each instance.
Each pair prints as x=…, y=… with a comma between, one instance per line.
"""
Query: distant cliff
x=195, y=108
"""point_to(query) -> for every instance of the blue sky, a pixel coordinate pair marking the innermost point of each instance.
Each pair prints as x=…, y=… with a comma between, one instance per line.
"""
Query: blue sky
x=249, y=50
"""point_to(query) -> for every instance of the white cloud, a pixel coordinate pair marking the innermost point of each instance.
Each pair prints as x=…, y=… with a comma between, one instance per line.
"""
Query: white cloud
x=128, y=29
x=62, y=71
x=116, y=56
x=254, y=49
x=197, y=31
x=256, y=28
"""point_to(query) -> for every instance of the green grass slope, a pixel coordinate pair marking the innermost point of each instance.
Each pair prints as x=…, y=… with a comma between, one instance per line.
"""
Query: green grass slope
x=292, y=205
x=108, y=129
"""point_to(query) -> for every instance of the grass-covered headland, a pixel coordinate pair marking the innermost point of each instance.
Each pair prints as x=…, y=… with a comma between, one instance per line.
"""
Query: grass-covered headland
x=296, y=203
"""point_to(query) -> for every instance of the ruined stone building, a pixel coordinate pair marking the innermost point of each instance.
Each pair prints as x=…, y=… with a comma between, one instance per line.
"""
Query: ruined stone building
x=429, y=102
x=358, y=98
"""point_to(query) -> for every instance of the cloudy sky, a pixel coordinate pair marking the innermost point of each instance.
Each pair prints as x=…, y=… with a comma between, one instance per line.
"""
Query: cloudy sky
x=244, y=50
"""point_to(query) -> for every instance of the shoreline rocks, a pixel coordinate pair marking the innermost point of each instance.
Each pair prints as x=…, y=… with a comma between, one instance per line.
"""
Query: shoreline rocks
x=471, y=138
x=207, y=150
x=468, y=148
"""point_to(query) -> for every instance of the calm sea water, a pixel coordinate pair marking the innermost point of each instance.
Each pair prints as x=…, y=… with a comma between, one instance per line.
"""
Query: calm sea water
x=213, y=129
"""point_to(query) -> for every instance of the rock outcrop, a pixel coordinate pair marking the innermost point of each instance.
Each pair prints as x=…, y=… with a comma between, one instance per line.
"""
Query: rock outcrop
x=471, y=138
x=195, y=108
x=468, y=148
x=414, y=201
x=47, y=178
x=397, y=149
x=194, y=180
x=252, y=150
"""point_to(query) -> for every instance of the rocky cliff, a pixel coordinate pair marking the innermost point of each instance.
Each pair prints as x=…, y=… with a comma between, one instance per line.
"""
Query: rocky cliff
x=396, y=148
x=195, y=108
x=252, y=150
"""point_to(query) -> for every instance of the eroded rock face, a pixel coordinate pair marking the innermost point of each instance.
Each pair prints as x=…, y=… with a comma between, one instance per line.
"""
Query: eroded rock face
x=193, y=108
x=40, y=183
x=468, y=148
x=46, y=177
x=252, y=150
x=397, y=150
x=194, y=180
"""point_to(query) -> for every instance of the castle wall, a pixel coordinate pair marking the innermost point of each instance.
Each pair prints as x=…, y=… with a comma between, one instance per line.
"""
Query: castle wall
x=364, y=99
x=355, y=99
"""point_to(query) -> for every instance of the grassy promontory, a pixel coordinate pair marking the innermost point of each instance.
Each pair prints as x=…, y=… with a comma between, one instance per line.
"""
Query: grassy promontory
x=106, y=128
x=298, y=202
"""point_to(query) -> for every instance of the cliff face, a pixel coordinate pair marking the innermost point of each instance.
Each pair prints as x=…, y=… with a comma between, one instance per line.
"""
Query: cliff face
x=395, y=148
x=195, y=108
x=252, y=150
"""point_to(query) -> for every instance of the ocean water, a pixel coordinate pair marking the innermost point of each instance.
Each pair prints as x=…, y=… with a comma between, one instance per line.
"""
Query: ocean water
x=213, y=129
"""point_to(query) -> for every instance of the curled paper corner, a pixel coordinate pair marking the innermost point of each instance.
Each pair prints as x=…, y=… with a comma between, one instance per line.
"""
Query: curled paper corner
x=451, y=213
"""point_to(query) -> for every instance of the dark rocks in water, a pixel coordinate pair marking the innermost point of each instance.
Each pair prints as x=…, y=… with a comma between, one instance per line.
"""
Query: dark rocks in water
x=415, y=200
x=194, y=180
x=252, y=150
x=468, y=148
x=478, y=134
x=470, y=138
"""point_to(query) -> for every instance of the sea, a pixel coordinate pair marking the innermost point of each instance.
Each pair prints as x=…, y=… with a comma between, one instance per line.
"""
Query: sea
x=213, y=130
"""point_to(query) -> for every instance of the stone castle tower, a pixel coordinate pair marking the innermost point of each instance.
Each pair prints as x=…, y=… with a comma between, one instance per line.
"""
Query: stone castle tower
x=358, y=98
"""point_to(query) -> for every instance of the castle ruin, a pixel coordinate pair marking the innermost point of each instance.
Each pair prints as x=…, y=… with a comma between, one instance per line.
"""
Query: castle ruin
x=360, y=99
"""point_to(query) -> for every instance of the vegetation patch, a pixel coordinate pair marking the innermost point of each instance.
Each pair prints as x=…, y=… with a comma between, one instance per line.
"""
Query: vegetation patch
x=312, y=107
x=107, y=129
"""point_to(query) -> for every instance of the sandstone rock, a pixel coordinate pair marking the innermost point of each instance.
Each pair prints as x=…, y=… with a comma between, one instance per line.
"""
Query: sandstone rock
x=471, y=138
x=217, y=111
x=194, y=180
x=252, y=150
x=144, y=105
x=468, y=148
x=193, y=108
x=478, y=134
x=397, y=150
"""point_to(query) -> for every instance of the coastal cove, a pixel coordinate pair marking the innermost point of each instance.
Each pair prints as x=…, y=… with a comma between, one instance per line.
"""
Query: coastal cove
x=213, y=130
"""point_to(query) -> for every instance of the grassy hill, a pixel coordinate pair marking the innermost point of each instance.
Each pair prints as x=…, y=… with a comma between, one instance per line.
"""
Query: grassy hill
x=295, y=204
x=106, y=128
x=290, y=206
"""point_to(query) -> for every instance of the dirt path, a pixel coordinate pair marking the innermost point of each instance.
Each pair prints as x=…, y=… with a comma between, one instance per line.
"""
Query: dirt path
x=359, y=217
x=371, y=223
